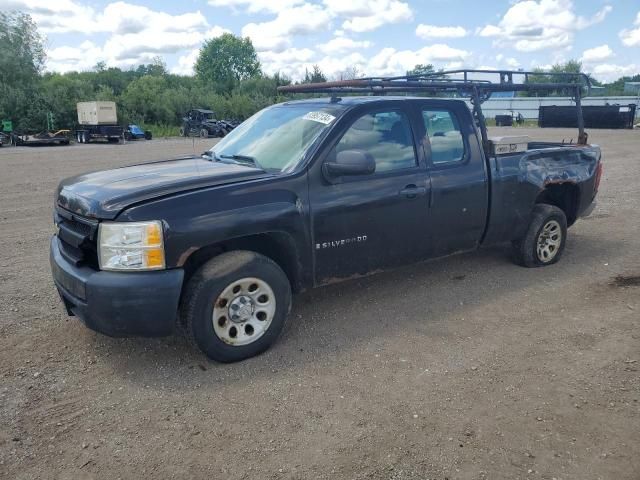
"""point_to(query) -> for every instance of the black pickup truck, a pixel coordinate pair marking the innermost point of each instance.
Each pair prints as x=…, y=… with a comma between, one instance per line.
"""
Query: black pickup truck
x=303, y=194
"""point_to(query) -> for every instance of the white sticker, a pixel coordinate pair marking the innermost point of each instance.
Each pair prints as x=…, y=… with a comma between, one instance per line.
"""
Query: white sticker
x=321, y=117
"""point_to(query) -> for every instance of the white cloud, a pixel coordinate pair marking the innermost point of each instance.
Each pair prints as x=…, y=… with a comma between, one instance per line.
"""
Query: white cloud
x=533, y=25
x=512, y=63
x=275, y=35
x=136, y=33
x=83, y=57
x=343, y=44
x=607, y=72
x=368, y=15
x=597, y=54
x=56, y=17
x=631, y=37
x=186, y=63
x=126, y=18
x=432, y=31
x=291, y=62
x=257, y=6
x=390, y=61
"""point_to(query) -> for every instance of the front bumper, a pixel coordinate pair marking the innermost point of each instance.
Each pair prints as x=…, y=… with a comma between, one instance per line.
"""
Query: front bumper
x=118, y=304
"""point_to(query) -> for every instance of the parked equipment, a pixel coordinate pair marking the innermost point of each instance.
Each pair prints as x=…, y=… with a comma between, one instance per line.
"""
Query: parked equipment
x=60, y=137
x=134, y=132
x=504, y=120
x=601, y=116
x=98, y=121
x=202, y=123
x=508, y=119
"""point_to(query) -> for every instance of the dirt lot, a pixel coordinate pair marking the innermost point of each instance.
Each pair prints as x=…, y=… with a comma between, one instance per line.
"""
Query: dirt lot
x=463, y=368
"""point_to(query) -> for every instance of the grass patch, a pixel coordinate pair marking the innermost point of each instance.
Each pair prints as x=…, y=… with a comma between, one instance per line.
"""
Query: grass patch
x=160, y=131
x=491, y=122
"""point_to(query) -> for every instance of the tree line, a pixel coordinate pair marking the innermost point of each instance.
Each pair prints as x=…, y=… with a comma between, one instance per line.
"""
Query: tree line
x=228, y=80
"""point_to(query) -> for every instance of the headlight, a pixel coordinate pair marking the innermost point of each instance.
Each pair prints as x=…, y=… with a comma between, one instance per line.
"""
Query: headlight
x=130, y=246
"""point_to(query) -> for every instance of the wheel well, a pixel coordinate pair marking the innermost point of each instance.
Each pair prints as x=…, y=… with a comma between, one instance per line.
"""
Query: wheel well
x=279, y=247
x=565, y=196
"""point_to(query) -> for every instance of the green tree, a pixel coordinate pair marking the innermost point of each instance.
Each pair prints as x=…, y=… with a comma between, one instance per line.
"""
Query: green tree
x=157, y=67
x=225, y=61
x=61, y=93
x=540, y=76
x=316, y=75
x=144, y=101
x=22, y=60
x=421, y=69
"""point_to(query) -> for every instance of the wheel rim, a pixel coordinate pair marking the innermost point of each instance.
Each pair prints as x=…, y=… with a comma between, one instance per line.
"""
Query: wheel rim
x=244, y=311
x=549, y=241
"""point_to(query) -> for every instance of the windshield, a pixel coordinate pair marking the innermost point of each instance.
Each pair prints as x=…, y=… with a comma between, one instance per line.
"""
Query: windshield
x=277, y=137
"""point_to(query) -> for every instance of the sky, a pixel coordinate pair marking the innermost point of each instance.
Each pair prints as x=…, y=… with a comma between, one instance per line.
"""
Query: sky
x=379, y=37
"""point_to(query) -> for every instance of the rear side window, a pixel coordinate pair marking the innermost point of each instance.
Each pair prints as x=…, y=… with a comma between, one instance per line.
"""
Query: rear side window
x=386, y=136
x=445, y=137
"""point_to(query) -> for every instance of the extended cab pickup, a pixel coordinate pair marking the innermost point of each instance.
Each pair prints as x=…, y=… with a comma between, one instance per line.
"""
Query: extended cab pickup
x=302, y=194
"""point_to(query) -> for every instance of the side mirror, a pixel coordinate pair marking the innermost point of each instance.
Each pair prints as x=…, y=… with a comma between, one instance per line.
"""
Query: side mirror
x=350, y=162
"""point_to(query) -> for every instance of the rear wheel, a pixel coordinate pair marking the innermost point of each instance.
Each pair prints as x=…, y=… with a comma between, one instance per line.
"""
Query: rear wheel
x=204, y=133
x=235, y=306
x=544, y=241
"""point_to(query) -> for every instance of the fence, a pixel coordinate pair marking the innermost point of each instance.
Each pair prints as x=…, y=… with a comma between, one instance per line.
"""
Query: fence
x=528, y=106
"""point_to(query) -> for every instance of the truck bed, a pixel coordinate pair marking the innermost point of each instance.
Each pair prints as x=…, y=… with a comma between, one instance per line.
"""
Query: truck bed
x=567, y=172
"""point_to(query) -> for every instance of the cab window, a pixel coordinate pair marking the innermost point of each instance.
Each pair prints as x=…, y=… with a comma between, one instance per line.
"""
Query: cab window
x=384, y=135
x=445, y=137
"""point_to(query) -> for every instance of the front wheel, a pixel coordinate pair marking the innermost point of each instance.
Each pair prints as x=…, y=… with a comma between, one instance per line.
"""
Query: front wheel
x=235, y=306
x=545, y=238
x=204, y=133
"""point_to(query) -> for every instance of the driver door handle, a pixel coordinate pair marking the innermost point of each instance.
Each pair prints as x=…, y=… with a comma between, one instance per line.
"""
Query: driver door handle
x=413, y=191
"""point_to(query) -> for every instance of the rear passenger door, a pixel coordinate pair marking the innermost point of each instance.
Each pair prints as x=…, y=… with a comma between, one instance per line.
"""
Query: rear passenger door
x=459, y=186
x=364, y=223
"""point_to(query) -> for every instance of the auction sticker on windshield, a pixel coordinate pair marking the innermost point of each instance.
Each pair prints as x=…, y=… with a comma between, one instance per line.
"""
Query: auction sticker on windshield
x=320, y=117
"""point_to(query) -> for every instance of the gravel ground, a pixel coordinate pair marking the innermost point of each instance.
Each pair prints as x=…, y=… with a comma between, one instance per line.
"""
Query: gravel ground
x=463, y=368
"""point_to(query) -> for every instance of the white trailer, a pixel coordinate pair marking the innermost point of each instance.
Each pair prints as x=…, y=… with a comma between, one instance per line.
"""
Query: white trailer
x=98, y=120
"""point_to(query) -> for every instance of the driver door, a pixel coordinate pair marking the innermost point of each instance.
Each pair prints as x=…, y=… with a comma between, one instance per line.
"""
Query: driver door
x=366, y=223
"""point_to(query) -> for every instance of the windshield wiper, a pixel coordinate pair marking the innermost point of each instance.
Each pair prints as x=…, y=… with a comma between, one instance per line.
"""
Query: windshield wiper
x=242, y=159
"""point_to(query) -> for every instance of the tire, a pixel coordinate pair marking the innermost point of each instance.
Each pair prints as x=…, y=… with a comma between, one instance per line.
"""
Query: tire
x=545, y=239
x=204, y=133
x=183, y=132
x=211, y=291
x=85, y=137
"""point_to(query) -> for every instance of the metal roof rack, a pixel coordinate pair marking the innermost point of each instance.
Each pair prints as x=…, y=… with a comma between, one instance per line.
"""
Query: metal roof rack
x=461, y=82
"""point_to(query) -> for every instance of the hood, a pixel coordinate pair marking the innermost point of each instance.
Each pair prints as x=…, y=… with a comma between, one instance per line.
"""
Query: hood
x=105, y=194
